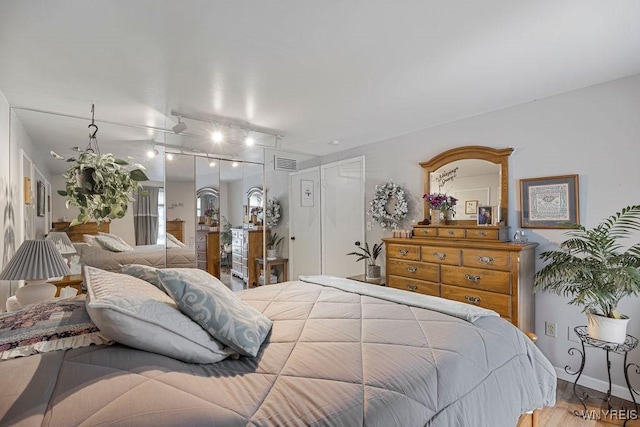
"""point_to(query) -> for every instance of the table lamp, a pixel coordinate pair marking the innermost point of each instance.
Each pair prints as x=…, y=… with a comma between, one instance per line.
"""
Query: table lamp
x=35, y=261
x=62, y=242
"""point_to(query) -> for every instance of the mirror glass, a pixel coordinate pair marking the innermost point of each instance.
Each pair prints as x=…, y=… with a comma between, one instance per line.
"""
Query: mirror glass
x=207, y=213
x=473, y=182
x=180, y=208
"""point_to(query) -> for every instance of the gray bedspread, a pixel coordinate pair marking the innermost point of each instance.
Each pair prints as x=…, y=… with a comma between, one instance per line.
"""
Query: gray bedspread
x=153, y=255
x=333, y=358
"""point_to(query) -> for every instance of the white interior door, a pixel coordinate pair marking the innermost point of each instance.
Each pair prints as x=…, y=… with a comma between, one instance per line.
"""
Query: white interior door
x=343, y=215
x=304, y=214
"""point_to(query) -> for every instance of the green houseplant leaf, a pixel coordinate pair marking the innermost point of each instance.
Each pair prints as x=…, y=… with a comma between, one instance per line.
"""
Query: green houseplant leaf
x=593, y=267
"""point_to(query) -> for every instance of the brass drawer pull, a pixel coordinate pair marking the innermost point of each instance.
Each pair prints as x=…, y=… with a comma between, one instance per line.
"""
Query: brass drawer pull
x=485, y=259
x=481, y=233
x=403, y=252
x=440, y=255
x=472, y=278
x=451, y=232
x=412, y=269
x=425, y=231
x=412, y=287
x=472, y=300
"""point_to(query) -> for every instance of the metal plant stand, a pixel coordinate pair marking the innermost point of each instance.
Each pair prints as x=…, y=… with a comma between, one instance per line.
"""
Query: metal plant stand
x=624, y=348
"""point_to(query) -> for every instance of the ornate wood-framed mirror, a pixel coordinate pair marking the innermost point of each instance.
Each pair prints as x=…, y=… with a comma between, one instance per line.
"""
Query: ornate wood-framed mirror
x=475, y=175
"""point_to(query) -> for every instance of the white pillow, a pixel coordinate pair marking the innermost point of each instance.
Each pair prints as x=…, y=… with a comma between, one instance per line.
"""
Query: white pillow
x=113, y=244
x=136, y=313
x=173, y=239
x=88, y=239
x=114, y=237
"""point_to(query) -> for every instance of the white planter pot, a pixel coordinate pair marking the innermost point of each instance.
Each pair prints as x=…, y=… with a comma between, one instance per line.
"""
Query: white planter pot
x=606, y=328
x=272, y=254
x=373, y=272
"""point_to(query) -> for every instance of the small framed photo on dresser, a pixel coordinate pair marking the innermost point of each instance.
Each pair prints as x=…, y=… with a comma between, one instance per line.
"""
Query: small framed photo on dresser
x=485, y=215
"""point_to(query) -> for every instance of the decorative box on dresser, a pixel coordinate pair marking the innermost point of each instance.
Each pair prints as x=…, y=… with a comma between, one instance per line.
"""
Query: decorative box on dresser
x=176, y=228
x=485, y=271
x=208, y=249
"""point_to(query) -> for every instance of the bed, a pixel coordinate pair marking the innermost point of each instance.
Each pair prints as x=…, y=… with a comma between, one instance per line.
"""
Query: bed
x=340, y=353
x=152, y=255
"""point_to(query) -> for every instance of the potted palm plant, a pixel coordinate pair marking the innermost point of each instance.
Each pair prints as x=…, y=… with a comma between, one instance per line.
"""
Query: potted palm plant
x=273, y=241
x=370, y=256
x=596, y=270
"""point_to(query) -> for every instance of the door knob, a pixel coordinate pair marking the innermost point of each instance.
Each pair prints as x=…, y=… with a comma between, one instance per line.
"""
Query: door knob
x=293, y=237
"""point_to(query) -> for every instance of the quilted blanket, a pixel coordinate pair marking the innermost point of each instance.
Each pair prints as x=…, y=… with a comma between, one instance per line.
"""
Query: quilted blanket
x=333, y=358
x=153, y=255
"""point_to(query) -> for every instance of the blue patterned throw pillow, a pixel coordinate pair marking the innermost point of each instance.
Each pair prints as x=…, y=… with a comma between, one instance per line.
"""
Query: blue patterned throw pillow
x=217, y=309
x=144, y=272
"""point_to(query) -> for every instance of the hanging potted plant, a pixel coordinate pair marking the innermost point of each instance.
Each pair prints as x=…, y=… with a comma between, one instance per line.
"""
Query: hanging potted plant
x=99, y=185
x=370, y=256
x=594, y=268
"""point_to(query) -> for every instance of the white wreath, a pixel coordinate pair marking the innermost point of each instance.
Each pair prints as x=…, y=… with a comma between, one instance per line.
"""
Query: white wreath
x=378, y=206
x=273, y=212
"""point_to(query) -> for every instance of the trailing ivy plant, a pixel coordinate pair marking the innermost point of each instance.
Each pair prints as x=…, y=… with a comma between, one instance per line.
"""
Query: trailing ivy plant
x=593, y=267
x=100, y=185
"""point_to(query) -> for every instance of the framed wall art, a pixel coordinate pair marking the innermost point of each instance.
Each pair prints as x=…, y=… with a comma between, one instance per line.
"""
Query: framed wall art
x=470, y=207
x=549, y=202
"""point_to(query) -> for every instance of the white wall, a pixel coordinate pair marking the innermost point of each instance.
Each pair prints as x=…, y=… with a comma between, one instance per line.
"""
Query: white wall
x=593, y=132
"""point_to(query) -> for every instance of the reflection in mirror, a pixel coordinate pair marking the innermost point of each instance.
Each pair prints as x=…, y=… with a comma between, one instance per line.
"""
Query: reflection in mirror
x=233, y=265
x=180, y=208
x=473, y=182
x=207, y=213
x=253, y=180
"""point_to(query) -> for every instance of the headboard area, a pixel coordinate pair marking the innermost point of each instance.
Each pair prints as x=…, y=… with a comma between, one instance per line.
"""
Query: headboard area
x=75, y=233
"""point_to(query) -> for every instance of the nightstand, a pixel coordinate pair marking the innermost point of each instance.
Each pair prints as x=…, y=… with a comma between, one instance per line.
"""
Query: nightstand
x=75, y=281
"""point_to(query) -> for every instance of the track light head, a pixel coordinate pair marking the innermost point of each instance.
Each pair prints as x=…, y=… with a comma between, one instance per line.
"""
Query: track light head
x=249, y=140
x=170, y=156
x=212, y=163
x=217, y=136
x=152, y=153
x=179, y=127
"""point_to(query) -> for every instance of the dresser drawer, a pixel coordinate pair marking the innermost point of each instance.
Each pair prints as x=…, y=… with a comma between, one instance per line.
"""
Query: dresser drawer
x=481, y=234
x=201, y=246
x=486, y=258
x=413, y=270
x=236, y=233
x=410, y=252
x=498, y=302
x=477, y=278
x=440, y=255
x=236, y=242
x=413, y=285
x=237, y=250
x=237, y=258
x=452, y=233
x=425, y=232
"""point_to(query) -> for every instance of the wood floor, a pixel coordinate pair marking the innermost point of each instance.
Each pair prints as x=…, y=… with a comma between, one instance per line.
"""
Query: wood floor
x=562, y=414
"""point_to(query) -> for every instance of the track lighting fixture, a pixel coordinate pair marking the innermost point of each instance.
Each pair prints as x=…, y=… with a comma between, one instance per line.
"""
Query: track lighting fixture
x=152, y=153
x=248, y=140
x=180, y=127
x=217, y=136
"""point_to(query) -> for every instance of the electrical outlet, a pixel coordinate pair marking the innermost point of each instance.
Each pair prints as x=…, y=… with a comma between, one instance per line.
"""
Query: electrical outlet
x=550, y=329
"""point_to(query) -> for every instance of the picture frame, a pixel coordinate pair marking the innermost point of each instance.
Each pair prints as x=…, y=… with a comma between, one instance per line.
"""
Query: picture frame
x=306, y=193
x=549, y=202
x=471, y=207
x=40, y=205
x=485, y=215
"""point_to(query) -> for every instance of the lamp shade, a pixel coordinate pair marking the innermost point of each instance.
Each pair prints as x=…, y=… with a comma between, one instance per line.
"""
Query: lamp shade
x=35, y=260
x=62, y=242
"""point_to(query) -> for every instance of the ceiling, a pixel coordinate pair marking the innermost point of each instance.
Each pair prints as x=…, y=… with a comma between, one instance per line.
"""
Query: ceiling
x=356, y=72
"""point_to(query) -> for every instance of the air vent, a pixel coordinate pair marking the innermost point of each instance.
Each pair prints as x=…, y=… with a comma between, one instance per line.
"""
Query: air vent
x=283, y=164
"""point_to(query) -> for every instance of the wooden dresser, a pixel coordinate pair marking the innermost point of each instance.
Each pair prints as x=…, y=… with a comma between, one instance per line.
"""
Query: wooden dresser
x=176, y=228
x=208, y=249
x=76, y=232
x=467, y=264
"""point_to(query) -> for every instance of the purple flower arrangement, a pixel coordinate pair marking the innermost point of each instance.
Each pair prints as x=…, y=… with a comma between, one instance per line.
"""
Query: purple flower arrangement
x=440, y=201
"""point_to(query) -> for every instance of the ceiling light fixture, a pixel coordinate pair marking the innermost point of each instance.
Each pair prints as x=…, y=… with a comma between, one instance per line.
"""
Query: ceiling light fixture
x=179, y=127
x=212, y=163
x=217, y=136
x=170, y=156
x=152, y=153
x=234, y=164
x=249, y=139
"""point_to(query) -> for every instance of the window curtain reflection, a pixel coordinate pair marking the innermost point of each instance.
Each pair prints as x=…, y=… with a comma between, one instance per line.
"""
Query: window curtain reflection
x=145, y=216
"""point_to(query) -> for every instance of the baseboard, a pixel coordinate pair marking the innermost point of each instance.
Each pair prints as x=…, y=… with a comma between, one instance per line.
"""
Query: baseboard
x=616, y=390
